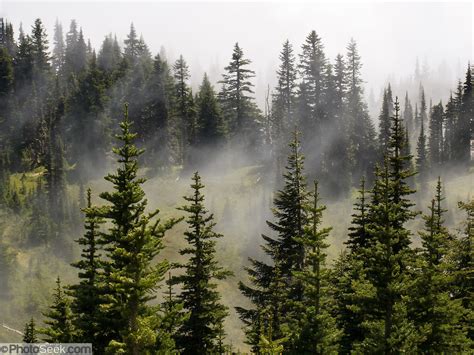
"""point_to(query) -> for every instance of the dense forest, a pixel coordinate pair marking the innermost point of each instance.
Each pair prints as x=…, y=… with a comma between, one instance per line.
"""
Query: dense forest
x=133, y=267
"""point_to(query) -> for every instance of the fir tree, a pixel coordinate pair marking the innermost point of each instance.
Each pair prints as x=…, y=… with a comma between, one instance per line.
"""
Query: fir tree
x=132, y=242
x=30, y=333
x=435, y=313
x=59, y=48
x=387, y=328
x=39, y=45
x=317, y=333
x=422, y=160
x=384, y=121
x=436, y=136
x=59, y=318
x=284, y=250
x=86, y=294
x=200, y=332
x=235, y=96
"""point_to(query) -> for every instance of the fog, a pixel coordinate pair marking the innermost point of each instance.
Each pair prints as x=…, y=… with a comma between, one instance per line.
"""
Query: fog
x=391, y=36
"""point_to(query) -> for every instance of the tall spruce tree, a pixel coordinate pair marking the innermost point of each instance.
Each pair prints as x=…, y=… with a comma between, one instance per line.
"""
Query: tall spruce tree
x=422, y=163
x=274, y=287
x=435, y=313
x=59, y=327
x=436, y=136
x=387, y=329
x=87, y=293
x=240, y=112
x=201, y=331
x=131, y=243
x=30, y=333
x=316, y=332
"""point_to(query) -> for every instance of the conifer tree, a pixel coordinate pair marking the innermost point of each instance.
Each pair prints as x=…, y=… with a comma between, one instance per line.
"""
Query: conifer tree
x=408, y=117
x=464, y=270
x=436, y=136
x=59, y=48
x=312, y=70
x=387, y=328
x=450, y=117
x=236, y=97
x=200, y=332
x=361, y=130
x=30, y=333
x=59, y=318
x=422, y=160
x=317, y=333
x=132, y=46
x=436, y=314
x=184, y=108
x=464, y=126
x=132, y=242
x=384, y=121
x=39, y=45
x=210, y=126
x=286, y=253
x=87, y=293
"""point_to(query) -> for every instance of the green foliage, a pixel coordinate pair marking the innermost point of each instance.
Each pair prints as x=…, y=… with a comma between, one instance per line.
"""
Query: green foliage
x=201, y=331
x=131, y=243
x=30, y=333
x=59, y=318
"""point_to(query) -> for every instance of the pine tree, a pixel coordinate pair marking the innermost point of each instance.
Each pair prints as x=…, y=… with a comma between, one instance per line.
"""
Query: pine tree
x=464, y=270
x=387, y=329
x=200, y=332
x=59, y=48
x=210, y=125
x=408, y=117
x=131, y=244
x=384, y=121
x=312, y=70
x=286, y=253
x=362, y=146
x=422, y=160
x=132, y=47
x=464, y=125
x=87, y=293
x=59, y=318
x=436, y=314
x=235, y=96
x=30, y=333
x=39, y=43
x=184, y=108
x=436, y=137
x=450, y=117
x=317, y=333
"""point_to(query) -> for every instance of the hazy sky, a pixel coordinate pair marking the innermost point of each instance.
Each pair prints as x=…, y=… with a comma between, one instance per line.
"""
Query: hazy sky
x=390, y=35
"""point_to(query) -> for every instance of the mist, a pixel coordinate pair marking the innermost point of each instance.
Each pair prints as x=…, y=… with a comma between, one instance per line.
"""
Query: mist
x=391, y=37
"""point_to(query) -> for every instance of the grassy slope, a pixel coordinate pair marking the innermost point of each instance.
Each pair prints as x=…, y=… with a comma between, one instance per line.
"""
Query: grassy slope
x=240, y=202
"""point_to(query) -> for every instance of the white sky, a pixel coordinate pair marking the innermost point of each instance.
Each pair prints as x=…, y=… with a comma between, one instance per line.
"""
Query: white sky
x=390, y=35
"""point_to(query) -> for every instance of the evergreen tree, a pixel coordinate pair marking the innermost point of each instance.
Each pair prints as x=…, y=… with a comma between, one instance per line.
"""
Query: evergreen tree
x=132, y=45
x=132, y=242
x=200, y=332
x=361, y=130
x=30, y=333
x=237, y=103
x=317, y=333
x=464, y=125
x=450, y=118
x=86, y=294
x=408, y=115
x=436, y=315
x=463, y=281
x=274, y=286
x=387, y=329
x=39, y=45
x=210, y=129
x=184, y=108
x=312, y=70
x=436, y=136
x=422, y=160
x=59, y=48
x=59, y=318
x=384, y=121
